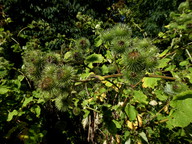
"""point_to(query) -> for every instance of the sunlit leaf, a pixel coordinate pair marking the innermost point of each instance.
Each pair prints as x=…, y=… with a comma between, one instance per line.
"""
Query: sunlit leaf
x=27, y=100
x=149, y=82
x=140, y=97
x=143, y=135
x=3, y=90
x=131, y=112
x=181, y=115
x=11, y=114
x=163, y=62
x=94, y=58
x=118, y=125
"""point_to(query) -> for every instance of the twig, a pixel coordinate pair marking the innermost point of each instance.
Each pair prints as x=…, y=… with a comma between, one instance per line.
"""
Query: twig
x=15, y=41
x=188, y=54
x=158, y=112
x=92, y=109
x=95, y=77
x=159, y=76
x=115, y=60
x=133, y=86
x=87, y=90
x=24, y=77
x=22, y=30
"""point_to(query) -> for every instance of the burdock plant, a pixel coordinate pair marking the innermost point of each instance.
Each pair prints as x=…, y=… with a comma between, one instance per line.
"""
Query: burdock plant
x=82, y=43
x=139, y=58
x=63, y=75
x=120, y=44
x=121, y=30
x=62, y=101
x=136, y=55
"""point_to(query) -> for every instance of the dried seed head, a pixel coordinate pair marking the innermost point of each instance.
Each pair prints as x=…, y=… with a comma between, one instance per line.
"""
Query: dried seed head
x=82, y=43
x=119, y=44
x=46, y=83
x=134, y=55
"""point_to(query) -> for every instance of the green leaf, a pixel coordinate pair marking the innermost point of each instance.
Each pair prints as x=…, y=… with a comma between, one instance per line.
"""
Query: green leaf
x=94, y=58
x=104, y=69
x=67, y=55
x=181, y=114
x=140, y=97
x=164, y=53
x=108, y=84
x=118, y=125
x=163, y=63
x=189, y=75
x=160, y=95
x=128, y=141
x=26, y=101
x=131, y=112
x=169, y=89
x=111, y=127
x=98, y=42
x=143, y=135
x=184, y=63
x=11, y=114
x=36, y=110
x=149, y=82
x=3, y=90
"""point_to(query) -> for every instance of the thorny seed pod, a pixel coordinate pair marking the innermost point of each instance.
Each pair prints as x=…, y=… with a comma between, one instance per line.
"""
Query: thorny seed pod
x=52, y=58
x=33, y=72
x=76, y=111
x=63, y=75
x=134, y=61
x=119, y=44
x=150, y=63
x=33, y=56
x=82, y=43
x=62, y=102
x=49, y=70
x=133, y=77
x=46, y=83
x=121, y=30
x=107, y=35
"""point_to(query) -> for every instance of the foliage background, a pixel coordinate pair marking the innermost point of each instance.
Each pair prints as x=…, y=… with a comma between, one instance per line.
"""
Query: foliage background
x=102, y=106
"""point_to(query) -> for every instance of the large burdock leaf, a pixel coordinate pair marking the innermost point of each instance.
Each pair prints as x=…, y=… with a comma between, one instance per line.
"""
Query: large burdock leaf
x=131, y=112
x=94, y=58
x=149, y=82
x=181, y=115
x=140, y=97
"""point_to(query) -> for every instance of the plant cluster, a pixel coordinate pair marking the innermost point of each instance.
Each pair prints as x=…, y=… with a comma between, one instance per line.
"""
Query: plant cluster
x=137, y=55
x=86, y=77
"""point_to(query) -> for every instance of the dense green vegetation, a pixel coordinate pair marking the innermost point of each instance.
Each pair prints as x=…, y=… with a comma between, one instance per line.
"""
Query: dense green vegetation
x=87, y=71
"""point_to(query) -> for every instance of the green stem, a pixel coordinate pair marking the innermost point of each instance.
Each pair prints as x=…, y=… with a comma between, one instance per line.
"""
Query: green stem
x=92, y=109
x=119, y=75
x=188, y=54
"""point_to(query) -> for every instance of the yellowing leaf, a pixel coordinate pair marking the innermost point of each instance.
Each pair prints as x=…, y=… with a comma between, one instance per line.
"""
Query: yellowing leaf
x=139, y=119
x=150, y=82
x=130, y=125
